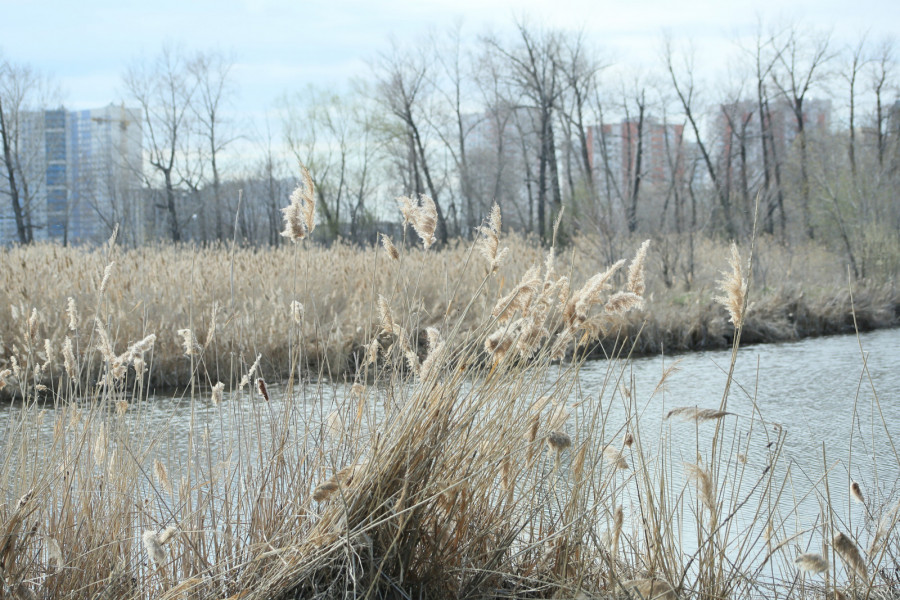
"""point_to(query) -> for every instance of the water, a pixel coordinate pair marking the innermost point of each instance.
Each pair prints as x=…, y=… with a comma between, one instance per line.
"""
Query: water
x=818, y=391
x=835, y=402
x=831, y=402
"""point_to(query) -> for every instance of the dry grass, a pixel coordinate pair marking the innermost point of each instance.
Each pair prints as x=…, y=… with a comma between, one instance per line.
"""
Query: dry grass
x=213, y=310
x=460, y=459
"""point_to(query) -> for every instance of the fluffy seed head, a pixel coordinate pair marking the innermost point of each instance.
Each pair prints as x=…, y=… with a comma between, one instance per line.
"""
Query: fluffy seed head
x=704, y=482
x=325, y=490
x=105, y=280
x=72, y=313
x=849, y=553
x=300, y=214
x=614, y=457
x=263, y=390
x=813, y=563
x=162, y=475
x=245, y=380
x=635, y=283
x=558, y=440
x=735, y=287
x=390, y=247
x=692, y=413
x=856, y=492
x=422, y=215
x=217, y=392
x=154, y=548
x=188, y=342
x=296, y=312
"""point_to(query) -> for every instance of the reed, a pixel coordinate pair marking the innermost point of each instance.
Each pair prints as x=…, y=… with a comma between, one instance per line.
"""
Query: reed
x=460, y=456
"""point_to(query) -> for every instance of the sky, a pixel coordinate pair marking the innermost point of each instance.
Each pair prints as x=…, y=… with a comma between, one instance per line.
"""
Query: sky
x=282, y=46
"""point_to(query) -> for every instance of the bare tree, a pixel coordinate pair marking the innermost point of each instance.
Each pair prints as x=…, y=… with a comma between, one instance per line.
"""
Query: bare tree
x=212, y=74
x=404, y=86
x=802, y=63
x=332, y=136
x=685, y=90
x=535, y=72
x=164, y=88
x=882, y=71
x=857, y=61
x=581, y=69
x=23, y=93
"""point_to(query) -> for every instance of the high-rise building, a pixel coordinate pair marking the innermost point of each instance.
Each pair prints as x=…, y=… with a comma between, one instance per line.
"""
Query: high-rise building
x=739, y=122
x=79, y=175
x=615, y=151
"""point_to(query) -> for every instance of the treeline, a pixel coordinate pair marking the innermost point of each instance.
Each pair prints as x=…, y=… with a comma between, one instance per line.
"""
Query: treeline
x=800, y=141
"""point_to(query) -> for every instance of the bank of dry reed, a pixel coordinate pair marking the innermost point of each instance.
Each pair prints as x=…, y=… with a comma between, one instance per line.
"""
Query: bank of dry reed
x=236, y=304
x=472, y=465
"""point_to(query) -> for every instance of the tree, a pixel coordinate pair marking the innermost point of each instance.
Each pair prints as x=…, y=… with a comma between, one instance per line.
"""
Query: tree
x=332, y=136
x=164, y=88
x=685, y=90
x=403, y=86
x=534, y=72
x=23, y=92
x=802, y=62
x=211, y=72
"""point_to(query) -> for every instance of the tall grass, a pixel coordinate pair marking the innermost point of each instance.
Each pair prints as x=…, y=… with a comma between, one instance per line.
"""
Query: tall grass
x=474, y=464
x=237, y=303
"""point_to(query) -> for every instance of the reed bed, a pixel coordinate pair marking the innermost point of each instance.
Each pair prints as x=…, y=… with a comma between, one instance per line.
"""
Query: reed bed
x=461, y=458
x=239, y=303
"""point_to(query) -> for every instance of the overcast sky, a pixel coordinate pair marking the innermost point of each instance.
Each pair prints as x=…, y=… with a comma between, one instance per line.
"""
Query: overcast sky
x=282, y=45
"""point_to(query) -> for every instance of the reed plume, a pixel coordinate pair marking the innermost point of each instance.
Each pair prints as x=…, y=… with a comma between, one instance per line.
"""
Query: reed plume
x=886, y=524
x=154, y=547
x=297, y=312
x=72, y=313
x=422, y=215
x=69, y=362
x=4, y=377
x=635, y=282
x=558, y=441
x=325, y=490
x=54, y=552
x=702, y=479
x=390, y=247
x=162, y=475
x=153, y=544
x=263, y=390
x=489, y=244
x=735, y=287
x=188, y=342
x=520, y=297
x=211, y=330
x=576, y=309
x=104, y=345
x=435, y=352
x=618, y=520
x=106, y=274
x=615, y=458
x=813, y=563
x=856, y=492
x=692, y=413
x=849, y=553
x=622, y=302
x=217, y=393
x=650, y=589
x=300, y=214
x=245, y=380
